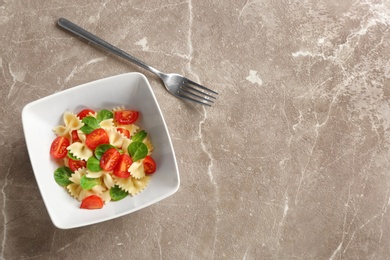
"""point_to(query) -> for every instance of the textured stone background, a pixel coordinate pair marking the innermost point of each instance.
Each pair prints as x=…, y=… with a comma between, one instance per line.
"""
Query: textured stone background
x=292, y=162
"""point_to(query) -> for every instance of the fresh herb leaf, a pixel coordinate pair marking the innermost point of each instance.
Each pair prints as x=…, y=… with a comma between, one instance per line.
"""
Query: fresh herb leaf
x=101, y=149
x=62, y=175
x=137, y=150
x=90, y=124
x=93, y=164
x=104, y=114
x=88, y=183
x=138, y=137
x=117, y=193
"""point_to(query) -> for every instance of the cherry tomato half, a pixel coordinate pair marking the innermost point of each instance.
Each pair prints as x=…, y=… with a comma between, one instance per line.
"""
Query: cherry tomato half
x=58, y=147
x=96, y=137
x=85, y=112
x=109, y=159
x=75, y=136
x=149, y=165
x=92, y=202
x=121, y=169
x=126, y=117
x=123, y=131
x=74, y=165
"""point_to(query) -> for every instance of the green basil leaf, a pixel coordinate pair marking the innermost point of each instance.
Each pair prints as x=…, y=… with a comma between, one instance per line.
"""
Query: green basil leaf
x=90, y=124
x=137, y=150
x=93, y=164
x=62, y=175
x=117, y=193
x=101, y=149
x=138, y=137
x=104, y=114
x=88, y=183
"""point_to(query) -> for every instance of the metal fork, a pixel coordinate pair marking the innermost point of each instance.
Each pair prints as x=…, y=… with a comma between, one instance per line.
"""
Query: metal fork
x=176, y=84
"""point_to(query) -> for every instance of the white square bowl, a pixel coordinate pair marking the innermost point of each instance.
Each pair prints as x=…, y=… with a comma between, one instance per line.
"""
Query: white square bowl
x=131, y=90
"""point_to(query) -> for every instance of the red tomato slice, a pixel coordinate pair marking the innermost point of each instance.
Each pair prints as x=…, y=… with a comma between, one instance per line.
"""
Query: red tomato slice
x=149, y=165
x=126, y=117
x=92, y=202
x=121, y=169
x=75, y=136
x=74, y=165
x=96, y=137
x=85, y=112
x=58, y=147
x=109, y=159
x=123, y=131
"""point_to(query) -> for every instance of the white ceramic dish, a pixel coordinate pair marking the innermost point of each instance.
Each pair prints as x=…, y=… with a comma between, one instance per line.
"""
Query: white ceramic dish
x=131, y=90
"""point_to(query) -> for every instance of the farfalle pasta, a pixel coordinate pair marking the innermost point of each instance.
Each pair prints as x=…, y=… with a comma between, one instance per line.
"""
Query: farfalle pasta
x=133, y=185
x=106, y=156
x=107, y=124
x=116, y=138
x=71, y=122
x=137, y=170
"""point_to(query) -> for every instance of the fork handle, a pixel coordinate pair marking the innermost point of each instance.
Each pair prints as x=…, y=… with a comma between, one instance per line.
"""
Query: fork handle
x=68, y=25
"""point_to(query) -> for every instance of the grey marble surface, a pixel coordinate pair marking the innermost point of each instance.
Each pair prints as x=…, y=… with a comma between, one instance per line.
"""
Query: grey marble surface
x=292, y=162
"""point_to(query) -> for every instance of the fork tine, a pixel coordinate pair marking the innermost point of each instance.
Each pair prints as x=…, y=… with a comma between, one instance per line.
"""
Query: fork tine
x=200, y=86
x=204, y=99
x=197, y=91
x=192, y=99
